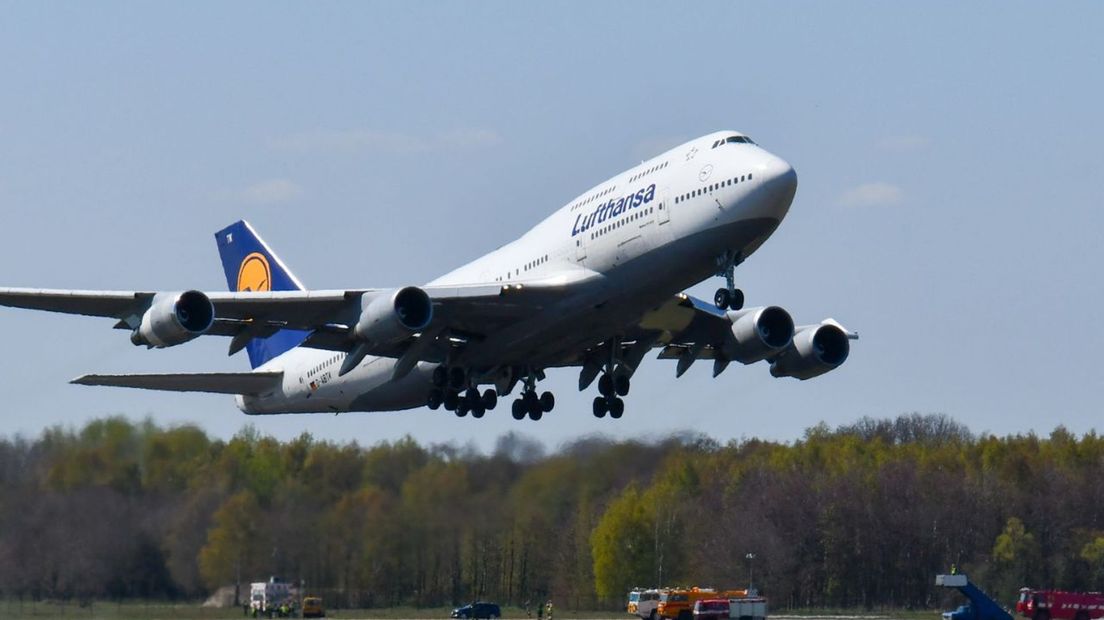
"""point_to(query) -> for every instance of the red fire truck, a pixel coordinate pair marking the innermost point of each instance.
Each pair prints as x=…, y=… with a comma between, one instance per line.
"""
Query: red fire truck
x=1058, y=605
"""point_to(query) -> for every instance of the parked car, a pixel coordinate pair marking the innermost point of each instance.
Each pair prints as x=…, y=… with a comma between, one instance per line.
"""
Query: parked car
x=478, y=611
x=312, y=607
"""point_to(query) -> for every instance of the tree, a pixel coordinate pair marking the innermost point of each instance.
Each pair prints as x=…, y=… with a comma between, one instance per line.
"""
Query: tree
x=1016, y=556
x=623, y=545
x=233, y=543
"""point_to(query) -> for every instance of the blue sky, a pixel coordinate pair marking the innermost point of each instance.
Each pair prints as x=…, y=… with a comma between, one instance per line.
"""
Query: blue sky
x=949, y=161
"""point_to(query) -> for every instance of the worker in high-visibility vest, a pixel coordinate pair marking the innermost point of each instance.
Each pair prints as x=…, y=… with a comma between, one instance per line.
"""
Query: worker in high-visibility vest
x=549, y=609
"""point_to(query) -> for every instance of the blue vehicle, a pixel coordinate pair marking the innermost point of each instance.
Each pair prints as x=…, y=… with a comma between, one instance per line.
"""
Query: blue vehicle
x=480, y=611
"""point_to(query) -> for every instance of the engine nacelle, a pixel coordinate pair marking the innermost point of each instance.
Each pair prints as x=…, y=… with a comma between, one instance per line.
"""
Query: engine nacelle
x=815, y=350
x=174, y=318
x=758, y=333
x=393, y=315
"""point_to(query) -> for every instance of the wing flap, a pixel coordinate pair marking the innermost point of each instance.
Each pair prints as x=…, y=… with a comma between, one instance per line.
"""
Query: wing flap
x=247, y=383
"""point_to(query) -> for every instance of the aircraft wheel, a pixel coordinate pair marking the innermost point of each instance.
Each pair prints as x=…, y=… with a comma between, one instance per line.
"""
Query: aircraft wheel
x=490, y=399
x=530, y=399
x=599, y=407
x=434, y=399
x=457, y=378
x=547, y=402
x=533, y=406
x=478, y=410
x=473, y=397
x=462, y=407
x=451, y=400
x=518, y=409
x=440, y=376
x=605, y=385
x=616, y=408
x=621, y=385
x=722, y=298
x=737, y=301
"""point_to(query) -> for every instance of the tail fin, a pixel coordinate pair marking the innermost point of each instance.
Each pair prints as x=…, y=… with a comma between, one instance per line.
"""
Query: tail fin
x=251, y=265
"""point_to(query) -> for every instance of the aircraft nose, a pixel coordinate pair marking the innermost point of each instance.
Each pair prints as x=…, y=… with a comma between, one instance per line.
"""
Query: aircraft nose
x=779, y=184
x=778, y=175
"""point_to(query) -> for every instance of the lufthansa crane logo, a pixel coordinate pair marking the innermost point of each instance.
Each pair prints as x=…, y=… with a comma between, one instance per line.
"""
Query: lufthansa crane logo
x=254, y=274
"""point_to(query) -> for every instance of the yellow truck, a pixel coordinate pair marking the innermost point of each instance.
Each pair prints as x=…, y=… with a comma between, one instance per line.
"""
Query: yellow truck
x=312, y=607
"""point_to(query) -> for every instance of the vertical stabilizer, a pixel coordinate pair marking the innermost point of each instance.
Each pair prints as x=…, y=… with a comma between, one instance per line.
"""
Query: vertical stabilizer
x=251, y=265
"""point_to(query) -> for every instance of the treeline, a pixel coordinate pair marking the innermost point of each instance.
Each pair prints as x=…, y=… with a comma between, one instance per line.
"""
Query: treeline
x=858, y=516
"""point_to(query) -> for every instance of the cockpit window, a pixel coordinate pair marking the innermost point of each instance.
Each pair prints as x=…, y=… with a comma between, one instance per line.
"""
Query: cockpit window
x=734, y=140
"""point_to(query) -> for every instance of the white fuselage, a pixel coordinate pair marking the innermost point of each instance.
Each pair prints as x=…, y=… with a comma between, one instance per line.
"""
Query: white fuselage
x=638, y=238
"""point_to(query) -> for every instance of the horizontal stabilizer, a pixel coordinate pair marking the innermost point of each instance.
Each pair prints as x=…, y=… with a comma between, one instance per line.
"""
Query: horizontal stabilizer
x=248, y=383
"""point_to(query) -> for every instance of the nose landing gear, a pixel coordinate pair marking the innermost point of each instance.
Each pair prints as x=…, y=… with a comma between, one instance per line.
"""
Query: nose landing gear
x=729, y=297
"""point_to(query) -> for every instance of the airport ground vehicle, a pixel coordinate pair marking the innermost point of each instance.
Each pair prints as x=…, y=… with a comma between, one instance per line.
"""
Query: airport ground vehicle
x=748, y=608
x=740, y=608
x=312, y=607
x=266, y=597
x=981, y=607
x=1060, y=605
x=711, y=609
x=642, y=603
x=678, y=603
x=479, y=610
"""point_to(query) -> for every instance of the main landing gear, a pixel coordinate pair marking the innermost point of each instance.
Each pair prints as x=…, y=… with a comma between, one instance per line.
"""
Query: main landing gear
x=613, y=384
x=453, y=389
x=529, y=403
x=729, y=297
x=448, y=390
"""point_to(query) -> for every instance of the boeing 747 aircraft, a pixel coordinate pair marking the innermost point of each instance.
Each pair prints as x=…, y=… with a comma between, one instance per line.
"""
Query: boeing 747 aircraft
x=595, y=286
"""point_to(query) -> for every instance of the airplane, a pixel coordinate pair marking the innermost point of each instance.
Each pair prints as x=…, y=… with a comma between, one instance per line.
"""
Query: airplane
x=595, y=286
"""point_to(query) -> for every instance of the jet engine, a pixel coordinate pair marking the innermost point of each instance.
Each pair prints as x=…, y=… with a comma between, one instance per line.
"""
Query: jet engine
x=758, y=333
x=391, y=316
x=815, y=350
x=174, y=318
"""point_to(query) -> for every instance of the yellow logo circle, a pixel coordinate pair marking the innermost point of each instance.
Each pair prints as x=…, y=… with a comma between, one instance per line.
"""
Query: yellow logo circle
x=254, y=274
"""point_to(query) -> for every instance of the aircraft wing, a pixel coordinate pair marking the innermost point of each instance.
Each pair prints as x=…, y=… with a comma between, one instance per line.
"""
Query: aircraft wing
x=215, y=382
x=289, y=308
x=686, y=320
x=465, y=311
x=687, y=329
x=91, y=303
